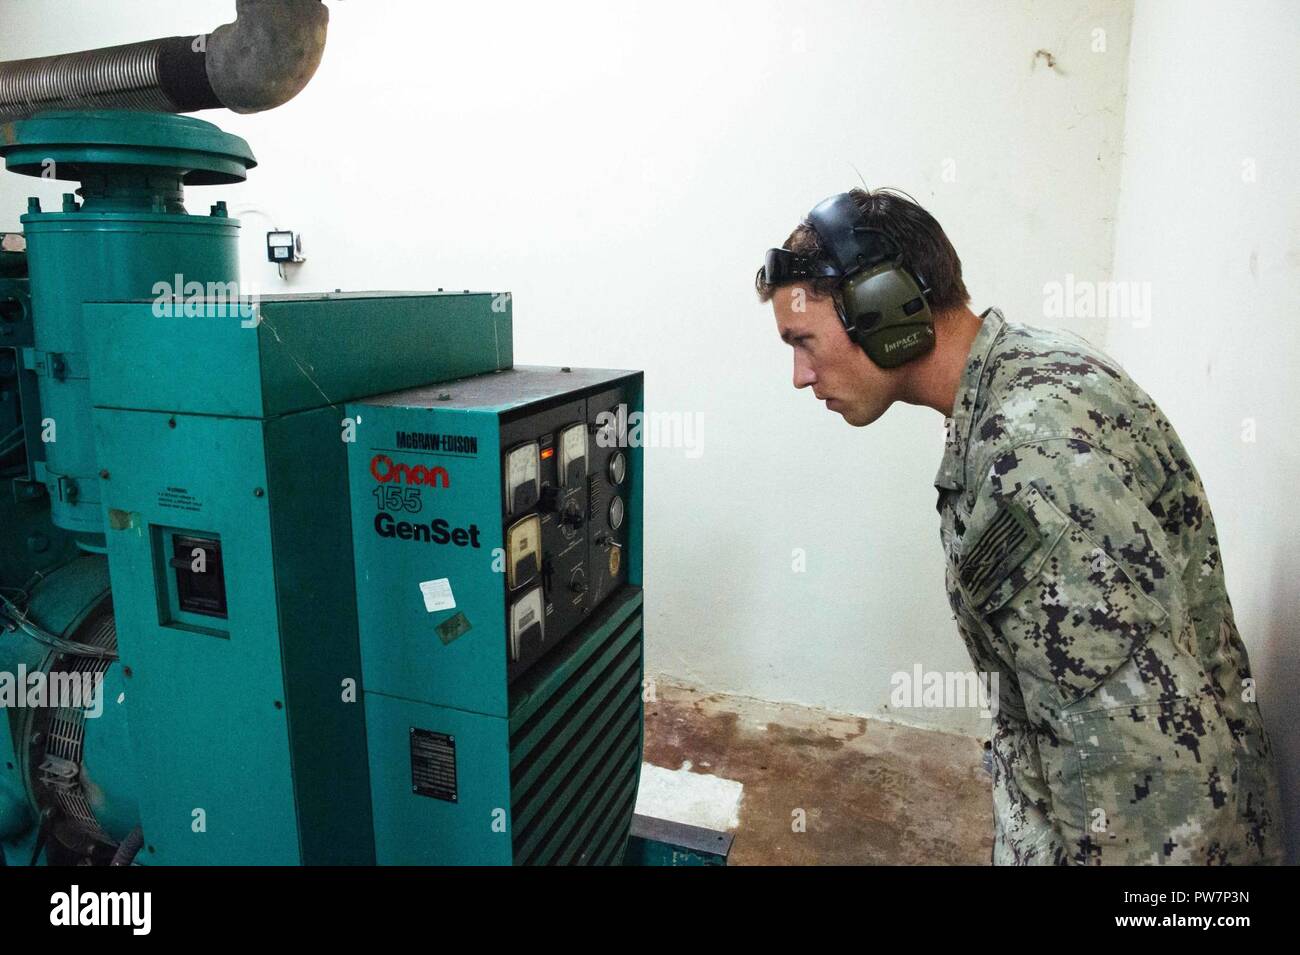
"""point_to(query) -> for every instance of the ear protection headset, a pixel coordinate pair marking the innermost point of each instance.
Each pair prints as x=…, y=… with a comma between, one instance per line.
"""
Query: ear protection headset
x=882, y=304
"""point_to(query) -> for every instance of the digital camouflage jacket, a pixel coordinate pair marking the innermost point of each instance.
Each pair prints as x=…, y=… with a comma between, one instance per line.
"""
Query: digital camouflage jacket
x=1084, y=572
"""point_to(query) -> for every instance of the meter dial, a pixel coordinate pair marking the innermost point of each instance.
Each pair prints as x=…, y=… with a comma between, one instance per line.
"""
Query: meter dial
x=527, y=622
x=616, y=512
x=522, y=477
x=523, y=550
x=618, y=468
x=573, y=455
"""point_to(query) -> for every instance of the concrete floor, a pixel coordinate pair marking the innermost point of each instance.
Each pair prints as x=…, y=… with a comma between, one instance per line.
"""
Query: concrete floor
x=870, y=792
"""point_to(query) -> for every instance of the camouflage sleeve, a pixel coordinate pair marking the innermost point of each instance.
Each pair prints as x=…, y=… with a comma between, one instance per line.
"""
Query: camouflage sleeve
x=1072, y=577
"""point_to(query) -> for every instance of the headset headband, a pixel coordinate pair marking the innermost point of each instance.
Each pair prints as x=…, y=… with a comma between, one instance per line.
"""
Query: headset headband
x=849, y=245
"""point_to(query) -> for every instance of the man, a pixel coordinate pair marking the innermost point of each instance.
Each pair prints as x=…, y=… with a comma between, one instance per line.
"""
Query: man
x=1082, y=562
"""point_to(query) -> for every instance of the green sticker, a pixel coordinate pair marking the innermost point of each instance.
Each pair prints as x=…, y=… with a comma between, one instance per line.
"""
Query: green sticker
x=453, y=627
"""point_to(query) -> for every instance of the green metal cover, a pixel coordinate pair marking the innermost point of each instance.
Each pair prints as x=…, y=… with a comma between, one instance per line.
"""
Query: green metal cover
x=402, y=654
x=502, y=815
x=207, y=707
x=130, y=233
x=77, y=257
x=662, y=842
x=301, y=352
x=256, y=719
x=546, y=768
x=76, y=140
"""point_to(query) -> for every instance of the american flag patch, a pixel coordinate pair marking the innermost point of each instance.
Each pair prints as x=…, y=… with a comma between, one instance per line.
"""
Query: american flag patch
x=1004, y=545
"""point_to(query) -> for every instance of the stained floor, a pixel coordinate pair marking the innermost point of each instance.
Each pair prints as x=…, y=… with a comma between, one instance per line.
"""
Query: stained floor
x=862, y=791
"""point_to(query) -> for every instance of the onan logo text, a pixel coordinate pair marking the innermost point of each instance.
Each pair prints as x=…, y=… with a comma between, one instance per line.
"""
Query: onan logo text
x=385, y=470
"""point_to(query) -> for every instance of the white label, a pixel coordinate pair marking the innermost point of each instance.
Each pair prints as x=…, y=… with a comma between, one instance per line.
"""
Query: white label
x=437, y=594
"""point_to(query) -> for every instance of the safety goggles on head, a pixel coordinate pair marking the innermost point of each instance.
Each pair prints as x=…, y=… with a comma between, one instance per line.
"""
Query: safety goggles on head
x=781, y=267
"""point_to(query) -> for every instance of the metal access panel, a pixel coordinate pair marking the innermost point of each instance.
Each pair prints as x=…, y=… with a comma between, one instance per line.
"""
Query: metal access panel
x=230, y=552
x=497, y=541
x=236, y=635
x=288, y=353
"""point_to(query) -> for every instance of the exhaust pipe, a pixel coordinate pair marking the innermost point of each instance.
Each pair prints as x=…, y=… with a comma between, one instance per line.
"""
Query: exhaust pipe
x=261, y=60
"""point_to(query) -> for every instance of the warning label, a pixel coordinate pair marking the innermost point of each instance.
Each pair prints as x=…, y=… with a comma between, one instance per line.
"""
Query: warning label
x=433, y=764
x=179, y=499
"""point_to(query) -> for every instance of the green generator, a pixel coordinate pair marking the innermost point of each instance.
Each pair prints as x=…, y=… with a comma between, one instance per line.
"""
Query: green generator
x=352, y=586
x=496, y=534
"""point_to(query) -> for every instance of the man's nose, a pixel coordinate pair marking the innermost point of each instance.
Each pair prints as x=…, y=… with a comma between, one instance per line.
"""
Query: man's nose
x=803, y=373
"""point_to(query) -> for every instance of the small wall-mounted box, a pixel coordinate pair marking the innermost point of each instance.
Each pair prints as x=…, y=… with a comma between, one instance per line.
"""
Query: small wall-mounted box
x=283, y=247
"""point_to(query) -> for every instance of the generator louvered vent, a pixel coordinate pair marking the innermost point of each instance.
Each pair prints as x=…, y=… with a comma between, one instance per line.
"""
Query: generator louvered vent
x=60, y=759
x=575, y=753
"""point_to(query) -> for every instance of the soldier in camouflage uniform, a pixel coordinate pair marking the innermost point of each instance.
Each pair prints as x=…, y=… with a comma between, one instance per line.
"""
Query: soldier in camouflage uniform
x=1084, y=569
x=1084, y=572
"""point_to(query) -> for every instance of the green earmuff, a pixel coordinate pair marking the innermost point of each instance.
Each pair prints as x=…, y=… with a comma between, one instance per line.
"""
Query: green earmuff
x=883, y=305
x=884, y=310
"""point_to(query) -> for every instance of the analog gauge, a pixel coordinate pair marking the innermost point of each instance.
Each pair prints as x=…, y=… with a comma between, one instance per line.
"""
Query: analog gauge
x=616, y=512
x=522, y=482
x=523, y=550
x=618, y=467
x=527, y=622
x=573, y=455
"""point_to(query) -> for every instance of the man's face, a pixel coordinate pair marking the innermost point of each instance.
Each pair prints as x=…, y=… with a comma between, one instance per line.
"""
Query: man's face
x=825, y=359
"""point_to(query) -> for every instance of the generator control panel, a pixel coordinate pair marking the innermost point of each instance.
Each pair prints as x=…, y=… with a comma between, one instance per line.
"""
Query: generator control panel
x=564, y=507
x=496, y=529
x=499, y=509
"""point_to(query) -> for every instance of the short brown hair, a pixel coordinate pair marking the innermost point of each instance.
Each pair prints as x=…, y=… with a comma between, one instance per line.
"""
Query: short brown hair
x=926, y=248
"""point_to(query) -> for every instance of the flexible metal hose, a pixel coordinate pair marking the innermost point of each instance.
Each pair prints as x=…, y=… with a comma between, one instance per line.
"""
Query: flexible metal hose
x=117, y=77
x=257, y=62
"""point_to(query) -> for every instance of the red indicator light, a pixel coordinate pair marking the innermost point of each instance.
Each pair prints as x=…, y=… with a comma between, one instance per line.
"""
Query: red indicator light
x=548, y=453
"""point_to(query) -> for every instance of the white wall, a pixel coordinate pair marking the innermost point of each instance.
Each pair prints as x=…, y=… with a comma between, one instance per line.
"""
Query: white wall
x=621, y=167
x=1209, y=212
